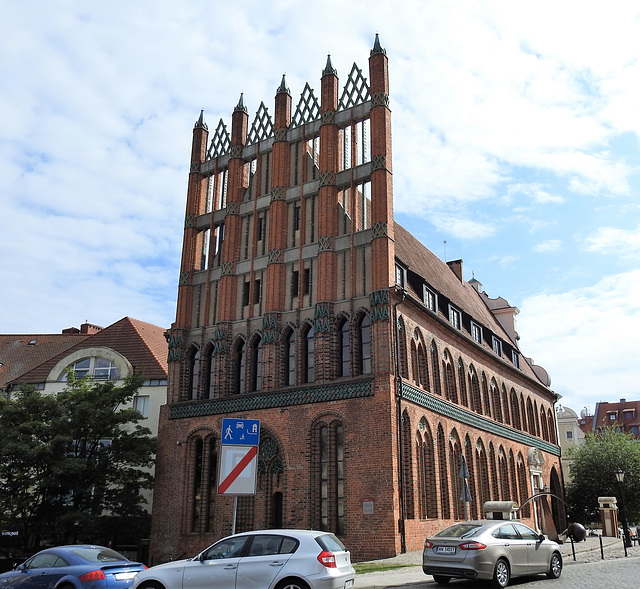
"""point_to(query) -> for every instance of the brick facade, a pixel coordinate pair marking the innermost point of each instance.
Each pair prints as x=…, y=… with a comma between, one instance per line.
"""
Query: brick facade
x=302, y=303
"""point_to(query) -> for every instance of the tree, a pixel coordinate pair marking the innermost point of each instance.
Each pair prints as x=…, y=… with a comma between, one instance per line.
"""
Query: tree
x=71, y=462
x=595, y=462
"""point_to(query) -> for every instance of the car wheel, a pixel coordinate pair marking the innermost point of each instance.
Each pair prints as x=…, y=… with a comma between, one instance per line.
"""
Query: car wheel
x=151, y=585
x=292, y=584
x=555, y=568
x=501, y=574
x=441, y=580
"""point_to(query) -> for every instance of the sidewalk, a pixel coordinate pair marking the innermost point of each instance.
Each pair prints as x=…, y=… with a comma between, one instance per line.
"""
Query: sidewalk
x=411, y=573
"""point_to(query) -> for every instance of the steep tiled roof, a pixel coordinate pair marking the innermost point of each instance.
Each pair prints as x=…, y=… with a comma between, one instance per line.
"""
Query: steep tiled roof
x=143, y=344
x=18, y=357
x=437, y=274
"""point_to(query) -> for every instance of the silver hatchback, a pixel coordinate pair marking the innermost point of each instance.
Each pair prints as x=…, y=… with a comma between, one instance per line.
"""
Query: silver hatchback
x=268, y=559
x=495, y=550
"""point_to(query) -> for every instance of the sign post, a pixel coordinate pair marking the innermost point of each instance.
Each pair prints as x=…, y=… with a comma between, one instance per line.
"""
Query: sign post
x=238, y=459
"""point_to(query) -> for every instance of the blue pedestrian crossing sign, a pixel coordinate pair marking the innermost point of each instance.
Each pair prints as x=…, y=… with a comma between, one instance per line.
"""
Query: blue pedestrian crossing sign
x=240, y=432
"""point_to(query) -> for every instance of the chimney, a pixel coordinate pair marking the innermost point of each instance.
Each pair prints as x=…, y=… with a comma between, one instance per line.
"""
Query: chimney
x=623, y=400
x=456, y=268
x=90, y=329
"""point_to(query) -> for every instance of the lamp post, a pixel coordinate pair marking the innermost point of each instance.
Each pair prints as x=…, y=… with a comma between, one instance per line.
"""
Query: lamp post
x=625, y=529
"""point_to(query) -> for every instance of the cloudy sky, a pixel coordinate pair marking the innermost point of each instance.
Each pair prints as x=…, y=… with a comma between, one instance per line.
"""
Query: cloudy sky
x=515, y=139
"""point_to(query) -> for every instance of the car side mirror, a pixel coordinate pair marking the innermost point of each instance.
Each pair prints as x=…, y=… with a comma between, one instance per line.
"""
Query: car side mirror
x=542, y=538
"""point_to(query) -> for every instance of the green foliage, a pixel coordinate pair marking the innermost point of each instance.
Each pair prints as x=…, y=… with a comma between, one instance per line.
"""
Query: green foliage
x=69, y=461
x=593, y=469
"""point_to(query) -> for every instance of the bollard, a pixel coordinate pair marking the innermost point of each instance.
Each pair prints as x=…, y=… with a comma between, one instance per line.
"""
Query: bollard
x=573, y=549
x=601, y=548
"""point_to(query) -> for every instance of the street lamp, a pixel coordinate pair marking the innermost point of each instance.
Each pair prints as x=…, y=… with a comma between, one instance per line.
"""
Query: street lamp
x=625, y=529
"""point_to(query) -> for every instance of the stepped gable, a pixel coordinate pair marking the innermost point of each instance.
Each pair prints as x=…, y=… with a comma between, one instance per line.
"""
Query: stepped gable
x=18, y=357
x=142, y=344
x=423, y=262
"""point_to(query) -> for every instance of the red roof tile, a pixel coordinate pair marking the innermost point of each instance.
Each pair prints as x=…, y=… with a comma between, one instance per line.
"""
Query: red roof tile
x=423, y=262
x=143, y=344
x=18, y=357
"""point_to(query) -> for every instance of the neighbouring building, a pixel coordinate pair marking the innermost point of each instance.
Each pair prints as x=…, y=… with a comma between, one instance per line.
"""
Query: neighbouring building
x=570, y=434
x=372, y=365
x=624, y=416
x=109, y=353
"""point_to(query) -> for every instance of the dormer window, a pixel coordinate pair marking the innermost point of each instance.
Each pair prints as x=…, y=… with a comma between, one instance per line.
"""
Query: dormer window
x=455, y=317
x=628, y=413
x=612, y=415
x=476, y=332
x=430, y=299
x=515, y=358
x=496, y=344
x=401, y=276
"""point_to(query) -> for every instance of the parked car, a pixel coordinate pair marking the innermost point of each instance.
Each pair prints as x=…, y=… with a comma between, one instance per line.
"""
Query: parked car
x=496, y=550
x=73, y=567
x=269, y=559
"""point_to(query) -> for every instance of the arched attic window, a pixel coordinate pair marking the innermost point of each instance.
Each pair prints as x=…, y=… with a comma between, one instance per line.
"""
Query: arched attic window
x=95, y=367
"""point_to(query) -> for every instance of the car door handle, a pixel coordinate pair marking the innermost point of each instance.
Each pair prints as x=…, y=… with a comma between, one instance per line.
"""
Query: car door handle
x=230, y=567
x=276, y=564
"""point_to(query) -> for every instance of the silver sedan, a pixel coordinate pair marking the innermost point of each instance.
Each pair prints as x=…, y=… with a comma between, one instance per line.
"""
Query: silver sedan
x=268, y=559
x=495, y=550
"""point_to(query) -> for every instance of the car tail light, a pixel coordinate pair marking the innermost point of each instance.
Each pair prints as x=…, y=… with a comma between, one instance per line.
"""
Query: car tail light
x=428, y=544
x=327, y=559
x=92, y=576
x=473, y=545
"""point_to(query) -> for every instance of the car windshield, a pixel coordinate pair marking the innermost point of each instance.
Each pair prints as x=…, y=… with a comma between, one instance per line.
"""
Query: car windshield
x=461, y=530
x=98, y=554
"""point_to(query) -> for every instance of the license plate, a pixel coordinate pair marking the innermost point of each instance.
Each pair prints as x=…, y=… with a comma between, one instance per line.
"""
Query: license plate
x=125, y=576
x=348, y=584
x=445, y=549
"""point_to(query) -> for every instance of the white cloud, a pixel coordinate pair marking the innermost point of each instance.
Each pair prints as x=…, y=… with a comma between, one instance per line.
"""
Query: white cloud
x=619, y=242
x=587, y=339
x=549, y=246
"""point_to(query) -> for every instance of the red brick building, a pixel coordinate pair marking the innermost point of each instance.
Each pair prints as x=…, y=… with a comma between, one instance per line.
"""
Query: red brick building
x=623, y=415
x=371, y=364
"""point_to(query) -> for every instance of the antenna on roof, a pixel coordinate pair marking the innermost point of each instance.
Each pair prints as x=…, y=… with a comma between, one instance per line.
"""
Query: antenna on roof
x=444, y=243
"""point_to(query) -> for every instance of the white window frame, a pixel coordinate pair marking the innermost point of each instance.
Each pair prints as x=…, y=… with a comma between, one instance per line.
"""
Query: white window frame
x=141, y=404
x=496, y=344
x=401, y=276
x=515, y=358
x=455, y=317
x=476, y=332
x=430, y=298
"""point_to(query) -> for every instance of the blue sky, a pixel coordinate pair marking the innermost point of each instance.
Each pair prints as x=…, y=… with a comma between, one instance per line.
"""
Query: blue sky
x=515, y=140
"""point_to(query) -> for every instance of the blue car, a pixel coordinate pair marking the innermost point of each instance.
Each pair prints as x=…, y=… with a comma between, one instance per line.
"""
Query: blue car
x=73, y=567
